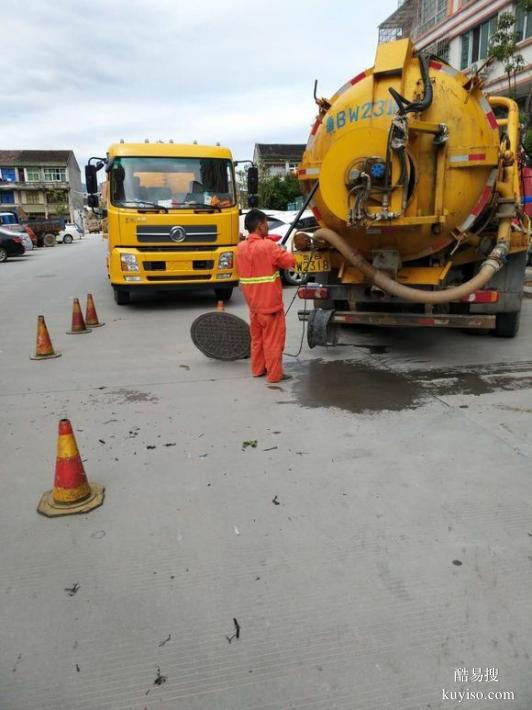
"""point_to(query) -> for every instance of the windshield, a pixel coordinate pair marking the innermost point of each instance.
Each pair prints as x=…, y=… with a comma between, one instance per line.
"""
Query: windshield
x=7, y=218
x=172, y=182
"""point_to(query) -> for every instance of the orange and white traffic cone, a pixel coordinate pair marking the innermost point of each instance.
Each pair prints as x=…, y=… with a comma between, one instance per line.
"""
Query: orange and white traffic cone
x=220, y=306
x=72, y=493
x=78, y=324
x=91, y=317
x=44, y=350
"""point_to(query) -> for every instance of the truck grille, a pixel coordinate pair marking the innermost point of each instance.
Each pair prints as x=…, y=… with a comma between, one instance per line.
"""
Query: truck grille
x=177, y=277
x=193, y=233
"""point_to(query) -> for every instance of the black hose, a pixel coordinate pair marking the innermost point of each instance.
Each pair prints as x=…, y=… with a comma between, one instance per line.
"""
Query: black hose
x=404, y=105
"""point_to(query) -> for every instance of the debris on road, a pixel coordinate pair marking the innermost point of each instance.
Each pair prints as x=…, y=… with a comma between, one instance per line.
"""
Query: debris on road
x=237, y=531
x=170, y=443
x=72, y=590
x=160, y=679
x=236, y=635
x=184, y=367
x=276, y=501
x=77, y=668
x=272, y=448
x=101, y=441
x=150, y=447
x=165, y=641
x=458, y=563
x=251, y=443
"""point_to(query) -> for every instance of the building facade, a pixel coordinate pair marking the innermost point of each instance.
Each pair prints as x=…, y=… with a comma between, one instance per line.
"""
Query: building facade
x=459, y=32
x=277, y=158
x=44, y=183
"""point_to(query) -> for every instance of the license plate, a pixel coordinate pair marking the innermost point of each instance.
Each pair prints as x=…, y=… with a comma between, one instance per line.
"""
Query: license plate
x=309, y=263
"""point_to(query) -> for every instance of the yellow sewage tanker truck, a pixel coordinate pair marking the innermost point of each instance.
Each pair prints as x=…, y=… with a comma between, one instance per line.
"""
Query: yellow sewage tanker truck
x=413, y=175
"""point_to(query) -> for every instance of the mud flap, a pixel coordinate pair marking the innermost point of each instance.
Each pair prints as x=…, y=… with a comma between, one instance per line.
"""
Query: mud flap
x=320, y=330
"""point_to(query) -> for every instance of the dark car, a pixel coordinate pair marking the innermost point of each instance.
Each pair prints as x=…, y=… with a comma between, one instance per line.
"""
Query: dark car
x=10, y=244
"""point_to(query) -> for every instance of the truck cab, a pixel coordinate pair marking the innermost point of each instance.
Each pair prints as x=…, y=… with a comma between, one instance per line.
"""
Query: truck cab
x=171, y=218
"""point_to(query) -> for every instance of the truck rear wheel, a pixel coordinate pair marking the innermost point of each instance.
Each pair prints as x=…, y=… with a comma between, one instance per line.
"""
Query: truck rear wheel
x=507, y=324
x=122, y=297
x=223, y=293
x=49, y=240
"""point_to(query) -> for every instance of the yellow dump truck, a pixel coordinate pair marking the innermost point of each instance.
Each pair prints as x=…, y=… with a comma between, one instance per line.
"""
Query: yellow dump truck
x=413, y=175
x=172, y=217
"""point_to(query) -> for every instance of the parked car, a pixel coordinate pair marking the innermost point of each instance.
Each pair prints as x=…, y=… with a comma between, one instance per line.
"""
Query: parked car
x=9, y=222
x=69, y=233
x=10, y=244
x=279, y=224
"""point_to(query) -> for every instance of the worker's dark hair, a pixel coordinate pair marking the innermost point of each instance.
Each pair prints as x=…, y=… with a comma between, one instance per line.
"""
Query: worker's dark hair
x=253, y=219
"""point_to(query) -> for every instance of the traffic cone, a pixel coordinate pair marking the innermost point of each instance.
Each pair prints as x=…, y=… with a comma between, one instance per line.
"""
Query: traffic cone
x=44, y=350
x=220, y=306
x=72, y=493
x=91, y=317
x=78, y=324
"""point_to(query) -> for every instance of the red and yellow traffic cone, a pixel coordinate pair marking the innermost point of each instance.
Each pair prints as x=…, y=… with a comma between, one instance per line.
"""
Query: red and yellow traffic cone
x=91, y=317
x=44, y=350
x=78, y=324
x=72, y=493
x=220, y=306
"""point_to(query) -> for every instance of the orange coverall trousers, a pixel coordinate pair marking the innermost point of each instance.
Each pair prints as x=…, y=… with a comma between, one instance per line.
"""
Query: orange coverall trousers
x=268, y=333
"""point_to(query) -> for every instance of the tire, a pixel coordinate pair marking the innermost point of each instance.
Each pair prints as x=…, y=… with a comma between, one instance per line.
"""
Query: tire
x=122, y=297
x=507, y=324
x=3, y=255
x=67, y=239
x=49, y=240
x=223, y=293
x=295, y=278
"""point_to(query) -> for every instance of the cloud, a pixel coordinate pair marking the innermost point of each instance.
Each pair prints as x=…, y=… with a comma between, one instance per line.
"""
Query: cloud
x=88, y=75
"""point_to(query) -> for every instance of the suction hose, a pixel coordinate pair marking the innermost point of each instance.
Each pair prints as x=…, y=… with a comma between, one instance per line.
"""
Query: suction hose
x=490, y=266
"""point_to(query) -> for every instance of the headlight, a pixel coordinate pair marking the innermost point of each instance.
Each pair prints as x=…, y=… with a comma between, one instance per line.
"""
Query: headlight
x=226, y=260
x=128, y=262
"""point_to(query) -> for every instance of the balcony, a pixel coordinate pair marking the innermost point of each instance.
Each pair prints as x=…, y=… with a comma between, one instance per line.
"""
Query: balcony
x=40, y=185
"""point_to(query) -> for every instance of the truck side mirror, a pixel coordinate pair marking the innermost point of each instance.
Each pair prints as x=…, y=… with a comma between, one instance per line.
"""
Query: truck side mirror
x=92, y=200
x=91, y=180
x=253, y=180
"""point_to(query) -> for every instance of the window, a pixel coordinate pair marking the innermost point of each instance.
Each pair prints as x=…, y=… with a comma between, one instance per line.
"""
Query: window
x=176, y=183
x=55, y=174
x=32, y=198
x=523, y=24
x=430, y=13
x=33, y=174
x=439, y=49
x=8, y=175
x=7, y=198
x=475, y=42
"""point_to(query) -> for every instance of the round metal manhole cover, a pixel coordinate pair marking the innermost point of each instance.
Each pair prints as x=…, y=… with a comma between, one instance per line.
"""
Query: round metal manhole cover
x=221, y=335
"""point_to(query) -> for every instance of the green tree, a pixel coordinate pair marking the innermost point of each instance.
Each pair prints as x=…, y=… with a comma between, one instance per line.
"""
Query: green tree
x=503, y=44
x=58, y=198
x=276, y=192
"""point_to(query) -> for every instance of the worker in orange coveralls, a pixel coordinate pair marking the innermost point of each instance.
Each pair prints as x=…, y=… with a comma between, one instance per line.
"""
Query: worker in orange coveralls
x=258, y=262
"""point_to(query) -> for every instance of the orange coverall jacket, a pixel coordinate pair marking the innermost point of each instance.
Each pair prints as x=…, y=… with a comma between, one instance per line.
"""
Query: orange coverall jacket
x=258, y=262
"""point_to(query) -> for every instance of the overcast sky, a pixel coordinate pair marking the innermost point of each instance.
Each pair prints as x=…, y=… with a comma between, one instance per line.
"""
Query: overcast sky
x=82, y=75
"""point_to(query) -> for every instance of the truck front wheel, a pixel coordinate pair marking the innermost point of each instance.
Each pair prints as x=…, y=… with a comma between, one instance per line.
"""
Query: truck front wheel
x=122, y=297
x=223, y=293
x=507, y=324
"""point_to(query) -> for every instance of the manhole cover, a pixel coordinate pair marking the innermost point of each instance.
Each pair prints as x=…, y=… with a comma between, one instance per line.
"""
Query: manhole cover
x=221, y=335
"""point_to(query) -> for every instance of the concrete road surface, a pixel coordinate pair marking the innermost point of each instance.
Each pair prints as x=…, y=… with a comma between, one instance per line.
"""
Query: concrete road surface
x=375, y=547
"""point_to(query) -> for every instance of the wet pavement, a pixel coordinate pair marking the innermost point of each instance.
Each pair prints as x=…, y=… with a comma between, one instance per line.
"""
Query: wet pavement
x=358, y=532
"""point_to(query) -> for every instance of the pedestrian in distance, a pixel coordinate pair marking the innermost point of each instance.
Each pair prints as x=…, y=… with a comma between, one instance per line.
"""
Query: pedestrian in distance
x=258, y=262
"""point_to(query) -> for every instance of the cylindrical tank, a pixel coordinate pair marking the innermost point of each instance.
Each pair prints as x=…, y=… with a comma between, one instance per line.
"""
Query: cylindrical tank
x=406, y=155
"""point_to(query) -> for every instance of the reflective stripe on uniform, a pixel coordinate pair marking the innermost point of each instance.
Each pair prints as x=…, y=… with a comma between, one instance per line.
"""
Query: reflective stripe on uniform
x=260, y=279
